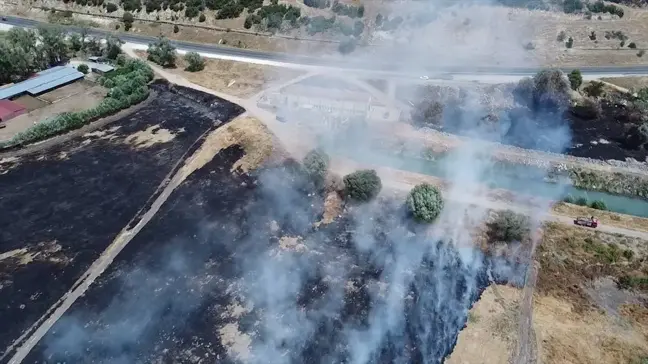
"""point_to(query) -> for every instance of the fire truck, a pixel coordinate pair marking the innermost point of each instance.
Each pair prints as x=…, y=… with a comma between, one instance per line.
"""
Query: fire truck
x=586, y=221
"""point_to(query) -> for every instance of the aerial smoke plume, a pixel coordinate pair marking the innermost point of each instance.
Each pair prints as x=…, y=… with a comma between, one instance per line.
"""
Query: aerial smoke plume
x=371, y=287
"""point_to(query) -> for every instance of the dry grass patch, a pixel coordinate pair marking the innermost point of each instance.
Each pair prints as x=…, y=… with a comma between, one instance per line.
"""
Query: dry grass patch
x=147, y=138
x=235, y=78
x=630, y=83
x=567, y=337
x=572, y=257
x=605, y=217
x=247, y=132
x=491, y=330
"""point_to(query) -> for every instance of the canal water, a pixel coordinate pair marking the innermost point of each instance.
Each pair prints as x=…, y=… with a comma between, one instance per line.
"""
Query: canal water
x=517, y=178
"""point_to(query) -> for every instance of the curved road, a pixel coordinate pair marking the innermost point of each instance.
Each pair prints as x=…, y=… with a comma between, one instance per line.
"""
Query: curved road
x=333, y=62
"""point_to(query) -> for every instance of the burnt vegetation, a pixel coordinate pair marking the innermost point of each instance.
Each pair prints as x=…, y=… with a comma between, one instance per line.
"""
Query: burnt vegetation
x=88, y=189
x=546, y=112
x=218, y=242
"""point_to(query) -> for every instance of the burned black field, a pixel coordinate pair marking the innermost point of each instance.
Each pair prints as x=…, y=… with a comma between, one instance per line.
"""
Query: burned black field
x=233, y=269
x=64, y=205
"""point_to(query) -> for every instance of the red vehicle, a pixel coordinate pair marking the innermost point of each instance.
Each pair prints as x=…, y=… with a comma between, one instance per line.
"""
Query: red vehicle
x=586, y=221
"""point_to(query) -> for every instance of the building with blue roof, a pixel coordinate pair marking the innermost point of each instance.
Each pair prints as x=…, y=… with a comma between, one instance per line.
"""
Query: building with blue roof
x=44, y=81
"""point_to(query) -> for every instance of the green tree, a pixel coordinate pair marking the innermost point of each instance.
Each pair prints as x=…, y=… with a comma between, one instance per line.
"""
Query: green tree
x=128, y=20
x=83, y=68
x=176, y=29
x=194, y=61
x=75, y=42
x=162, y=53
x=202, y=18
x=347, y=46
x=110, y=7
x=112, y=48
x=507, y=227
x=316, y=164
x=425, y=202
x=53, y=45
x=362, y=185
x=575, y=79
x=121, y=60
x=632, y=45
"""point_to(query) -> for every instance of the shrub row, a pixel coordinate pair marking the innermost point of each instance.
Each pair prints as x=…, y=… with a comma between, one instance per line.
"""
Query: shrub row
x=126, y=89
x=582, y=201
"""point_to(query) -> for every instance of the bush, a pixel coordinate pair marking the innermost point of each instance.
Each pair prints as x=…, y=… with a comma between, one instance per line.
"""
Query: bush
x=194, y=61
x=83, y=68
x=425, y=202
x=581, y=201
x=316, y=164
x=202, y=18
x=570, y=42
x=575, y=79
x=628, y=254
x=121, y=60
x=632, y=45
x=110, y=7
x=594, y=89
x=569, y=199
x=508, y=227
x=162, y=53
x=561, y=36
x=176, y=28
x=598, y=205
x=347, y=46
x=641, y=53
x=362, y=185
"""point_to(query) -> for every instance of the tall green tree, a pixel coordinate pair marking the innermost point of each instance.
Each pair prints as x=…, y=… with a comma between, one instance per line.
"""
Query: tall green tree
x=112, y=49
x=575, y=79
x=53, y=45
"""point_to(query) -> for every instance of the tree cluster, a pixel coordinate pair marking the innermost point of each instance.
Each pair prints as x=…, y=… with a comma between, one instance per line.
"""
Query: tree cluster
x=25, y=51
x=319, y=4
x=348, y=10
x=425, y=203
x=162, y=52
x=548, y=90
x=601, y=7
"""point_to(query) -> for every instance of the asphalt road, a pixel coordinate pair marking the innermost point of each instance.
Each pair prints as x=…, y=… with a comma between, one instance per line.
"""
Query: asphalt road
x=337, y=61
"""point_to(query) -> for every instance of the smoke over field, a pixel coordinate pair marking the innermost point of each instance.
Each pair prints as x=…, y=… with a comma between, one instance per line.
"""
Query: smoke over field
x=236, y=267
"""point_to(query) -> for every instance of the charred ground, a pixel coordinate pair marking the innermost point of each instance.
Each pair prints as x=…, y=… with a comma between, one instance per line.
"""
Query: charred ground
x=232, y=261
x=593, y=122
x=64, y=205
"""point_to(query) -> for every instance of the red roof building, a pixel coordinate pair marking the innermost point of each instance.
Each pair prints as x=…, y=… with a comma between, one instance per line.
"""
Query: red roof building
x=10, y=109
